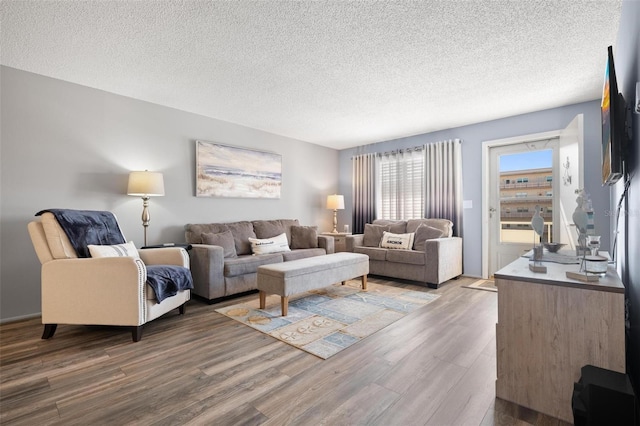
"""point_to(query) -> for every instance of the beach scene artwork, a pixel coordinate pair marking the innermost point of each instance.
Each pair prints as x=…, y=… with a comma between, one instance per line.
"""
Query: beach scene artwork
x=228, y=171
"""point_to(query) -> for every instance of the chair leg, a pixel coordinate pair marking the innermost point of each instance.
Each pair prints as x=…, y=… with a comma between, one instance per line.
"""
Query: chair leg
x=136, y=333
x=49, y=330
x=182, y=308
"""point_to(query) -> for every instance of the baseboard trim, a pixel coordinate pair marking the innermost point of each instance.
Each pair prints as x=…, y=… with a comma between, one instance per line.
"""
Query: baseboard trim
x=20, y=318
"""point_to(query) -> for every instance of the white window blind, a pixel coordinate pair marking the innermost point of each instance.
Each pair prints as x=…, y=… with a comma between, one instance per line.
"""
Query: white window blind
x=401, y=185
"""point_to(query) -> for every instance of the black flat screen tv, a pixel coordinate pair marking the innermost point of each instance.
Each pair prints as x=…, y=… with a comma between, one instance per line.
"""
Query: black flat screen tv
x=613, y=126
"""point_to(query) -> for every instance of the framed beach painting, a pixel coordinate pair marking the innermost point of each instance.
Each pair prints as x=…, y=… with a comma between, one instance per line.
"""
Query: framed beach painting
x=229, y=171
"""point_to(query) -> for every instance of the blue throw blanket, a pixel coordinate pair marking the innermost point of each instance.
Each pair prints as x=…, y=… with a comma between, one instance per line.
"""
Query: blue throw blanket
x=167, y=280
x=84, y=227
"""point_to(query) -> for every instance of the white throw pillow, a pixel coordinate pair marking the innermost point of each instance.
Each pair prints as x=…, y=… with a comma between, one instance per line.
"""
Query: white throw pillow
x=270, y=245
x=397, y=241
x=118, y=250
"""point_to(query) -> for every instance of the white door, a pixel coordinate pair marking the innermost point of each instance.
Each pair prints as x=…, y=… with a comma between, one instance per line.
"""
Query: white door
x=521, y=176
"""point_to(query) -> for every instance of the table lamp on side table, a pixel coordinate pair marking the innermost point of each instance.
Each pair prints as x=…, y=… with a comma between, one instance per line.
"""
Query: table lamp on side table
x=145, y=184
x=335, y=203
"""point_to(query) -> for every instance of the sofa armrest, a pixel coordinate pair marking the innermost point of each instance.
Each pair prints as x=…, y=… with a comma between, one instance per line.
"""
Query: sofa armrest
x=108, y=290
x=443, y=259
x=355, y=240
x=326, y=243
x=207, y=270
x=165, y=256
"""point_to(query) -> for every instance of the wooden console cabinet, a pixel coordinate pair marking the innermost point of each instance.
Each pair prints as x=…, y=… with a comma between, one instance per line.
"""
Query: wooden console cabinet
x=548, y=328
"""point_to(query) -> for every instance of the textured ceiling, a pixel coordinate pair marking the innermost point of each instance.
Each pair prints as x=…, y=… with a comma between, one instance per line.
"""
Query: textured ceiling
x=334, y=73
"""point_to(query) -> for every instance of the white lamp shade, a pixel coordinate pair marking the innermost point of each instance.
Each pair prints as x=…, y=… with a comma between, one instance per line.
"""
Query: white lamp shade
x=335, y=202
x=145, y=183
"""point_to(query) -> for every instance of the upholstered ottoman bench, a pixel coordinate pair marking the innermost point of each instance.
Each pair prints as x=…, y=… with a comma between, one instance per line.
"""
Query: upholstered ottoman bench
x=298, y=276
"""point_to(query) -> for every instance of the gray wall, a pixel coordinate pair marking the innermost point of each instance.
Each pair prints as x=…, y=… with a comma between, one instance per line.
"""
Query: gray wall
x=627, y=62
x=69, y=146
x=472, y=137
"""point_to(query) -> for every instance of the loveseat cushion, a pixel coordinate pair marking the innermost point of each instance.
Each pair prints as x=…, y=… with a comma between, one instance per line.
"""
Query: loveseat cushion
x=272, y=228
x=374, y=253
x=222, y=239
x=424, y=233
x=242, y=231
x=373, y=234
x=406, y=256
x=395, y=226
x=193, y=232
x=243, y=265
x=443, y=224
x=303, y=253
x=304, y=237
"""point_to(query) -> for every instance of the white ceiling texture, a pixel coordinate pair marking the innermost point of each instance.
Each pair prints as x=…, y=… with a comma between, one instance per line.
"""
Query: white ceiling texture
x=334, y=73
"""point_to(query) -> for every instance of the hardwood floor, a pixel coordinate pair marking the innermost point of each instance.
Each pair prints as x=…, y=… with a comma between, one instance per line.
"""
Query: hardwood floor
x=436, y=366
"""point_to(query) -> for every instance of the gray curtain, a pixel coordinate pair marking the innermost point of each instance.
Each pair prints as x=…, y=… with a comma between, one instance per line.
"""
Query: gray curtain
x=364, y=191
x=443, y=185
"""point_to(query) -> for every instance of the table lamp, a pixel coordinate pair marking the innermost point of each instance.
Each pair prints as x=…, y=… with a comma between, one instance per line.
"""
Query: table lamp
x=335, y=203
x=145, y=184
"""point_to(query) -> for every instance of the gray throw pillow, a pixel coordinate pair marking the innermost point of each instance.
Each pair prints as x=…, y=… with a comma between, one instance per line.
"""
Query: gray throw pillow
x=224, y=240
x=242, y=231
x=424, y=233
x=373, y=234
x=304, y=237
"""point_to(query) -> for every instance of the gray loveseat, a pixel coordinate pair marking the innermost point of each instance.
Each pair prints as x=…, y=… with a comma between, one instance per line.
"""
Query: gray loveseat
x=222, y=260
x=435, y=256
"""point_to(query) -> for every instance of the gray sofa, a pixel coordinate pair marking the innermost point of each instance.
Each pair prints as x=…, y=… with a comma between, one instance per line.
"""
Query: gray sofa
x=222, y=263
x=435, y=257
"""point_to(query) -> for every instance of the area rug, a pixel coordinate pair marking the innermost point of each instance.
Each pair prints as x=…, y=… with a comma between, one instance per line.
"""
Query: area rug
x=324, y=322
x=487, y=285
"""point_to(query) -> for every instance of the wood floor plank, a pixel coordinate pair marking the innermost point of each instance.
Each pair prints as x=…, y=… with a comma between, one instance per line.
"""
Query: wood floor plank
x=435, y=365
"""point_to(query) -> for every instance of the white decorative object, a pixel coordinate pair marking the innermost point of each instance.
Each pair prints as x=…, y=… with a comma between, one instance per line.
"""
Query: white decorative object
x=335, y=203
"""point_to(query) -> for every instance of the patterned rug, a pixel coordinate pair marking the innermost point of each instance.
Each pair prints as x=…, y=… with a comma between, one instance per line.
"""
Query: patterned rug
x=324, y=322
x=487, y=285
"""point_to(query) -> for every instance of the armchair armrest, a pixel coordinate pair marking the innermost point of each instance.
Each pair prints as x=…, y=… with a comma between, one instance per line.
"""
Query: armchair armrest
x=165, y=256
x=443, y=258
x=355, y=240
x=207, y=270
x=109, y=290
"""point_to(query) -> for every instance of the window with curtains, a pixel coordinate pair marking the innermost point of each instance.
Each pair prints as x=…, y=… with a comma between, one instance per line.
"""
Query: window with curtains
x=400, y=194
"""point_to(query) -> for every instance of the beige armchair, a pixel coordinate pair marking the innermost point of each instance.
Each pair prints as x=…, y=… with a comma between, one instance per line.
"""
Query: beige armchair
x=99, y=291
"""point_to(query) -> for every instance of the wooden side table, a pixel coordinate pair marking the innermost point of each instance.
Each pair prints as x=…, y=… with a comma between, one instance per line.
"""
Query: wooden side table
x=339, y=240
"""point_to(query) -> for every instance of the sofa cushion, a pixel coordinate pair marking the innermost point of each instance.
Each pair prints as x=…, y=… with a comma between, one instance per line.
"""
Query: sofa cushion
x=397, y=241
x=373, y=234
x=243, y=265
x=303, y=254
x=222, y=239
x=406, y=256
x=374, y=253
x=193, y=232
x=304, y=237
x=242, y=231
x=116, y=250
x=395, y=226
x=272, y=228
x=424, y=233
x=443, y=224
x=276, y=244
